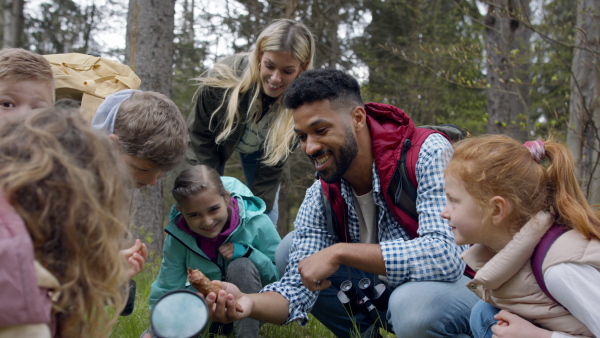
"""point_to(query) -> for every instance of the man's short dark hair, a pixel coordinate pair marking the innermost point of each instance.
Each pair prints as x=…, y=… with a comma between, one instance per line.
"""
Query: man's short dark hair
x=320, y=84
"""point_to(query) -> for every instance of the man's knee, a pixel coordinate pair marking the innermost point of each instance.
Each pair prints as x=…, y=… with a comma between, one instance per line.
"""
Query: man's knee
x=431, y=309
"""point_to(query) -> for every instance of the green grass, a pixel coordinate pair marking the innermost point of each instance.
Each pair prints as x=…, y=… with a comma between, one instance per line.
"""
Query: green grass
x=133, y=325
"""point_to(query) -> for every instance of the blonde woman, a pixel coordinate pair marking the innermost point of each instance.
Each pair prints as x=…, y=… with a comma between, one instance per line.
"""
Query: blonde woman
x=239, y=108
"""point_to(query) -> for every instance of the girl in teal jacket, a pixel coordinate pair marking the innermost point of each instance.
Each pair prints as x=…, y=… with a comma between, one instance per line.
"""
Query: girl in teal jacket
x=219, y=227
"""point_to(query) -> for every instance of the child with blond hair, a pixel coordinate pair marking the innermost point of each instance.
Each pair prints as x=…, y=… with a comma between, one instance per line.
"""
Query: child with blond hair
x=148, y=129
x=503, y=197
x=26, y=81
x=63, y=227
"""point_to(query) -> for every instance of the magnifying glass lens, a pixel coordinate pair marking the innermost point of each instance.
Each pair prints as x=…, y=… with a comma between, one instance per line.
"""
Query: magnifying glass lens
x=180, y=313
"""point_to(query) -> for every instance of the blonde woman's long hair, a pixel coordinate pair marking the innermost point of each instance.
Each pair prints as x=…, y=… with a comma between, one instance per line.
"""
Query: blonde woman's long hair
x=497, y=165
x=66, y=181
x=281, y=35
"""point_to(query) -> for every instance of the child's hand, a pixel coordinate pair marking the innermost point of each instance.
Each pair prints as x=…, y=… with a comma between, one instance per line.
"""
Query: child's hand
x=513, y=326
x=136, y=256
x=226, y=250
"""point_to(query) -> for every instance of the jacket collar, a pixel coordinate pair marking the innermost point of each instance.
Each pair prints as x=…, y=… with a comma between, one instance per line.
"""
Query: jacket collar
x=495, y=269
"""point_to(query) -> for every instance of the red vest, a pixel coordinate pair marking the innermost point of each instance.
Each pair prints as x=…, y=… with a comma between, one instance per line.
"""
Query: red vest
x=390, y=128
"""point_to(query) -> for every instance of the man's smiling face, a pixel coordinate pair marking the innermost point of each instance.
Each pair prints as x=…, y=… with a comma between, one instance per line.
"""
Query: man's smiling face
x=327, y=137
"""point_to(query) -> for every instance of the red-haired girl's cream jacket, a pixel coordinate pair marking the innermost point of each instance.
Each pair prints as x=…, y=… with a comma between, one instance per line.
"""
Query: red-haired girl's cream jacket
x=505, y=279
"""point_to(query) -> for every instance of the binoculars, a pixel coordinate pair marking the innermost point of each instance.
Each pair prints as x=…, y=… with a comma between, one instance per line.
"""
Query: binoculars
x=374, y=296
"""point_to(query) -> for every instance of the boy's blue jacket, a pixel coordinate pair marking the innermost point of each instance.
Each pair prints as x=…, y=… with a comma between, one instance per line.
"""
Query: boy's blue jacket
x=180, y=250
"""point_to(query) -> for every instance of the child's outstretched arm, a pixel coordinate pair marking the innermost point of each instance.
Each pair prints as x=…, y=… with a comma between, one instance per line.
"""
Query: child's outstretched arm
x=136, y=256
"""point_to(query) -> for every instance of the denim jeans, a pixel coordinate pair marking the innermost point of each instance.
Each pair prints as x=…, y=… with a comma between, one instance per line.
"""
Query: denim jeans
x=482, y=319
x=415, y=309
x=249, y=164
x=432, y=309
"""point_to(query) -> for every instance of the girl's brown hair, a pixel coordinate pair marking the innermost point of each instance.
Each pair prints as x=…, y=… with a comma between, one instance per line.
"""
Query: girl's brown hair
x=196, y=179
x=497, y=165
x=66, y=181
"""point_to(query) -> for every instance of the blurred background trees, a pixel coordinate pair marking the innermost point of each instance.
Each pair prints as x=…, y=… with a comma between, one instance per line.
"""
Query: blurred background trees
x=528, y=68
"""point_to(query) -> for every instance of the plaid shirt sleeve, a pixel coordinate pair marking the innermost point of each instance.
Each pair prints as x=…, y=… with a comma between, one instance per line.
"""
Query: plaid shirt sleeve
x=433, y=256
x=310, y=235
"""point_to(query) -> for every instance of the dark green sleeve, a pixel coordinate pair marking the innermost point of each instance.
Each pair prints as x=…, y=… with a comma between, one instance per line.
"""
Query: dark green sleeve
x=202, y=148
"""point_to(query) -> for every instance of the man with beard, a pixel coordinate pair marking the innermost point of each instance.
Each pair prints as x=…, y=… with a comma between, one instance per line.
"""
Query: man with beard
x=355, y=148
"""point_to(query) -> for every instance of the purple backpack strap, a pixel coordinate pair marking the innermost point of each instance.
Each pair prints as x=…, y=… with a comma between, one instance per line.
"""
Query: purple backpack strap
x=539, y=253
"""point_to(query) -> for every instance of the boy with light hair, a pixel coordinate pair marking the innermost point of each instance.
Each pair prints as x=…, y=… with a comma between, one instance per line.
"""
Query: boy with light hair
x=149, y=130
x=151, y=136
x=26, y=81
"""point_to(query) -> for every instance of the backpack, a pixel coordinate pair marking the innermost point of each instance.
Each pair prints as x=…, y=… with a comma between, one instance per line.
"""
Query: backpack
x=402, y=189
x=539, y=253
x=89, y=79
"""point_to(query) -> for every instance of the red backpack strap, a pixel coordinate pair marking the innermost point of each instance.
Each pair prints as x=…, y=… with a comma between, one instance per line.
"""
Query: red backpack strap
x=401, y=192
x=539, y=253
x=335, y=210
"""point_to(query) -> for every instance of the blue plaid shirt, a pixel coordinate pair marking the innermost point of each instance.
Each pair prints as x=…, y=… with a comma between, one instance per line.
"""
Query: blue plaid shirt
x=433, y=256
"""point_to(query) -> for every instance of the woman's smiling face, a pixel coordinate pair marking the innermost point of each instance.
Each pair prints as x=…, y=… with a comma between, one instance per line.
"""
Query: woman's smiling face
x=277, y=71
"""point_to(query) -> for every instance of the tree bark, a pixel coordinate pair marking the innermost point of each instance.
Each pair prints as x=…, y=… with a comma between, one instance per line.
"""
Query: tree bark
x=507, y=45
x=584, y=105
x=13, y=23
x=149, y=51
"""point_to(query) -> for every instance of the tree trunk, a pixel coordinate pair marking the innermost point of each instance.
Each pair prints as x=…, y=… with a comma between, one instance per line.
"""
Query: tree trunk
x=507, y=45
x=13, y=23
x=149, y=52
x=584, y=106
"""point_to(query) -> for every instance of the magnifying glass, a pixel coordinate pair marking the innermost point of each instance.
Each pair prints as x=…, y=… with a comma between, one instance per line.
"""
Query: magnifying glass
x=179, y=314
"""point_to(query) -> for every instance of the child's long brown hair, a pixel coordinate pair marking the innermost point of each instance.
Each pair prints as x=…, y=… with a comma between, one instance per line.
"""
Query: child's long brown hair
x=497, y=165
x=66, y=182
x=197, y=179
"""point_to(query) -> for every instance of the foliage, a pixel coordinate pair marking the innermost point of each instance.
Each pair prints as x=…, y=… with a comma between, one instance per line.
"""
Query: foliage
x=188, y=61
x=426, y=59
x=62, y=26
x=551, y=66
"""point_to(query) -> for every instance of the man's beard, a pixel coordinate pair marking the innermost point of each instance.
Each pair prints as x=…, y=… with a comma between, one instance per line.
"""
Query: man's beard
x=341, y=160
